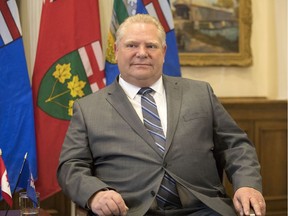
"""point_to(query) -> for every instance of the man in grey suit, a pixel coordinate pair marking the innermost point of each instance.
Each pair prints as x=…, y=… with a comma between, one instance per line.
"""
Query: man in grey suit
x=111, y=164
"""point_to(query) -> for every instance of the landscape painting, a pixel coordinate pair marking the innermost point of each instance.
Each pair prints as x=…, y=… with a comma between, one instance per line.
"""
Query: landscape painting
x=213, y=32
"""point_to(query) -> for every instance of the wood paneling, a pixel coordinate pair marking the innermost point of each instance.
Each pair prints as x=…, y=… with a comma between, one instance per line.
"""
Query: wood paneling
x=265, y=122
x=57, y=205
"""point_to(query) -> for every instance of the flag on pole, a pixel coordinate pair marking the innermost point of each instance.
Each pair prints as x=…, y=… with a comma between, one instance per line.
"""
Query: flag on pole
x=159, y=9
x=17, y=132
x=26, y=181
x=5, y=186
x=69, y=64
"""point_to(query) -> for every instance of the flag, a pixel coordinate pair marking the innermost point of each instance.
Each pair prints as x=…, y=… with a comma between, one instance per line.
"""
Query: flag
x=5, y=187
x=17, y=131
x=26, y=181
x=69, y=64
x=159, y=9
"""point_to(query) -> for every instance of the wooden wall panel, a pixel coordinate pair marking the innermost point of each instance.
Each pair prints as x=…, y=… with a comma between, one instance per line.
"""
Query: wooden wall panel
x=271, y=137
x=265, y=122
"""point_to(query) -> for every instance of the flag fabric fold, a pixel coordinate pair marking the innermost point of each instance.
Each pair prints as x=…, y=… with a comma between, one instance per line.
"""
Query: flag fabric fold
x=69, y=64
x=17, y=131
x=159, y=9
x=5, y=186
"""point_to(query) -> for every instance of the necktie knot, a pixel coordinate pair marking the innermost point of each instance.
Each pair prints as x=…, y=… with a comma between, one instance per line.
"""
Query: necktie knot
x=145, y=90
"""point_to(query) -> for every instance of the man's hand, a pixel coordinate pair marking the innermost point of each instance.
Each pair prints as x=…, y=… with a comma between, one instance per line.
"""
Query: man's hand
x=247, y=197
x=106, y=203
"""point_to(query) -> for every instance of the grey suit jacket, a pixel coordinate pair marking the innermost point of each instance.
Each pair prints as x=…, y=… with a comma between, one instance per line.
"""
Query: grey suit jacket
x=108, y=146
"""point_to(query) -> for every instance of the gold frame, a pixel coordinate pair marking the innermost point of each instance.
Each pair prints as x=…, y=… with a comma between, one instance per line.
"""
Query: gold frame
x=242, y=58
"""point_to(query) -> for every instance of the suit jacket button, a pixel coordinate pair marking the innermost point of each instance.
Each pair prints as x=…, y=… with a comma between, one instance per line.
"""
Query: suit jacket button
x=220, y=194
x=153, y=193
x=165, y=164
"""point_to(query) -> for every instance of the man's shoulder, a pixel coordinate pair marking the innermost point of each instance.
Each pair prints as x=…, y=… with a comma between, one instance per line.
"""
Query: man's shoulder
x=97, y=95
x=184, y=81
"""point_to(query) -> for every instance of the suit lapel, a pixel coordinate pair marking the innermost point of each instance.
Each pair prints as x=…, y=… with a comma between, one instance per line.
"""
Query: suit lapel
x=174, y=101
x=118, y=99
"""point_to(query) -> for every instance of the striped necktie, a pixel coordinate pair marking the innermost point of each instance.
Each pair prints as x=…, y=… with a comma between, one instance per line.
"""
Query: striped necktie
x=167, y=197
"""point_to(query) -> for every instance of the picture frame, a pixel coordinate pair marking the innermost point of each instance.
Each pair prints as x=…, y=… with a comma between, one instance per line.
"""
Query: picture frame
x=236, y=53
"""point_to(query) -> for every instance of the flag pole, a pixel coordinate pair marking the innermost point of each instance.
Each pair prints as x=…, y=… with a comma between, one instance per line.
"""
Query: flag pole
x=17, y=182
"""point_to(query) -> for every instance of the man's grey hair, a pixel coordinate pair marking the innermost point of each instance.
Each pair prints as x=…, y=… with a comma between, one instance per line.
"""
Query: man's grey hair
x=141, y=18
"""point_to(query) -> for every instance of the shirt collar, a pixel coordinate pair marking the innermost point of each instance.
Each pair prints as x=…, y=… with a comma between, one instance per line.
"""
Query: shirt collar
x=132, y=90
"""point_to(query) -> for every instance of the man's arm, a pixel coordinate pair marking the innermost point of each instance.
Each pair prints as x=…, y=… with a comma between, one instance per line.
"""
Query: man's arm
x=237, y=155
x=75, y=170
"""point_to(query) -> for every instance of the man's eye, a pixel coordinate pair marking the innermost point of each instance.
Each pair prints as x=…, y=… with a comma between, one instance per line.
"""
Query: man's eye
x=130, y=45
x=152, y=46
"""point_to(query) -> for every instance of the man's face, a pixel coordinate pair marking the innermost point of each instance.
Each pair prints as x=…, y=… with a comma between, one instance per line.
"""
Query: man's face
x=140, y=54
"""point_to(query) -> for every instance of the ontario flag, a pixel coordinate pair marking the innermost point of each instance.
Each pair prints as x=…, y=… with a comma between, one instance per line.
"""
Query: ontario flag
x=159, y=9
x=69, y=64
x=5, y=186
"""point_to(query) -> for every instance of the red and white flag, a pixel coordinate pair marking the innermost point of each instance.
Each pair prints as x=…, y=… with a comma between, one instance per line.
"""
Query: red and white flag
x=69, y=64
x=9, y=21
x=5, y=186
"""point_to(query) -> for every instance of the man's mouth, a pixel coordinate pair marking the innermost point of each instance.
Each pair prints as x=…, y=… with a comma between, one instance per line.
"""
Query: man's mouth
x=141, y=64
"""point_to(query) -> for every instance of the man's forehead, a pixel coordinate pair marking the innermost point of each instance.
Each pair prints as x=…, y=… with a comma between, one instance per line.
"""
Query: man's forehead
x=130, y=40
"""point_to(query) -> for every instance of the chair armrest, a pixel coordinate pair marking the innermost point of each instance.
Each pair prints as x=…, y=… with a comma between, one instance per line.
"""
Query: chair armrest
x=252, y=213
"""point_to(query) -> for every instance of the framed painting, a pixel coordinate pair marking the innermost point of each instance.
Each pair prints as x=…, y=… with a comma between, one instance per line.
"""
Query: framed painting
x=213, y=32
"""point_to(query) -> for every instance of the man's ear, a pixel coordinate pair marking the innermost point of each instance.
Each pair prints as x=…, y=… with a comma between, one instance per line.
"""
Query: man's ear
x=164, y=52
x=115, y=51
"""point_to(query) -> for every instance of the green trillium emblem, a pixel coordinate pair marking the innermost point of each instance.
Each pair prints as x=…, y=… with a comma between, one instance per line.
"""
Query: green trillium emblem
x=64, y=82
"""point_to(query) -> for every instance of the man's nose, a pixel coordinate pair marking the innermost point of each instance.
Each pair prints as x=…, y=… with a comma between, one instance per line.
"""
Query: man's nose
x=142, y=52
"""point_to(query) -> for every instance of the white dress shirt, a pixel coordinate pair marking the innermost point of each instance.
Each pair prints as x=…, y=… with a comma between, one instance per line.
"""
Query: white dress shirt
x=158, y=94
